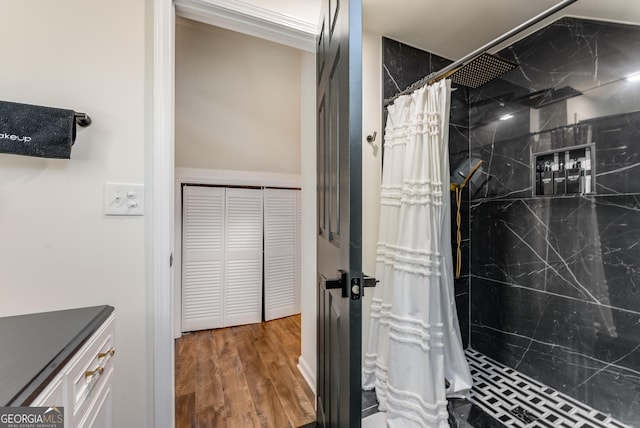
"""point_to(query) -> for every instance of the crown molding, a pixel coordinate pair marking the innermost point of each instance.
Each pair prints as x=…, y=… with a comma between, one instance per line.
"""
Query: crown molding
x=252, y=20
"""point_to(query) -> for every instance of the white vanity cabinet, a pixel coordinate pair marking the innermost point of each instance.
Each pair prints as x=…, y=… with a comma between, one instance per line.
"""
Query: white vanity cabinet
x=84, y=385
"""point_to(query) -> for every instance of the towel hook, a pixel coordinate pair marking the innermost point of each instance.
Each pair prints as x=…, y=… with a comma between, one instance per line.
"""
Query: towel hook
x=372, y=138
x=82, y=119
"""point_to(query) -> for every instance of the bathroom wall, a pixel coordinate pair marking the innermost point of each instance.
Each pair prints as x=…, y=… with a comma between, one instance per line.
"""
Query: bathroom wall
x=403, y=65
x=57, y=248
x=554, y=279
x=371, y=164
x=237, y=101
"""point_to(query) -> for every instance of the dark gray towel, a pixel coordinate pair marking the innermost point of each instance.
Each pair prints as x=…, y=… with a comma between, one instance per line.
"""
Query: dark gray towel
x=36, y=131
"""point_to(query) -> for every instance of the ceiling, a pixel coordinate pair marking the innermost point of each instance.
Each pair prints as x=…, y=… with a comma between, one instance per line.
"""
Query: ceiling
x=454, y=28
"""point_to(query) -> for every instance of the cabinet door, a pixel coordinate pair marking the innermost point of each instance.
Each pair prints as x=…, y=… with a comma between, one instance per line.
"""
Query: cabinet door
x=243, y=261
x=203, y=249
x=281, y=253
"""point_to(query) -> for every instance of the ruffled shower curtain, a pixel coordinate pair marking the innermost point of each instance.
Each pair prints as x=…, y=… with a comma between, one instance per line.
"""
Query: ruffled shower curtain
x=414, y=339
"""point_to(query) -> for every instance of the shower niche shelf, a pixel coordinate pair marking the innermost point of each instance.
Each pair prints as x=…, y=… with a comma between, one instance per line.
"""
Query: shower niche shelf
x=564, y=172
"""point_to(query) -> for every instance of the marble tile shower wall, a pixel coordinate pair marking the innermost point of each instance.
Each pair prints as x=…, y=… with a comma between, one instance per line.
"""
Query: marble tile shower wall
x=402, y=66
x=555, y=279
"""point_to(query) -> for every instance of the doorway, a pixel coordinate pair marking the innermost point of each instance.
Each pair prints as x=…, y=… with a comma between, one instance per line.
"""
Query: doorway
x=265, y=149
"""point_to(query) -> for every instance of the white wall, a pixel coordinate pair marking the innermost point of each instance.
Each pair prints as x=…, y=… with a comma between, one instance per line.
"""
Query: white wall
x=307, y=362
x=237, y=101
x=371, y=163
x=57, y=249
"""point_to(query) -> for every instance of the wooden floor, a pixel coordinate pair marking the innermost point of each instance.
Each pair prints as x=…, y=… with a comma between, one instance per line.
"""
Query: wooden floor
x=244, y=376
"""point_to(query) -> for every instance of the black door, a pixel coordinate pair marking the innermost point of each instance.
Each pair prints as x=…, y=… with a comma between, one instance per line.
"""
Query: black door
x=339, y=110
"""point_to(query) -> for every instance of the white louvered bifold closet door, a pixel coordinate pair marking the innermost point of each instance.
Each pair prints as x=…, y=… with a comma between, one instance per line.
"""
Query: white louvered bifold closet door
x=203, y=246
x=243, y=273
x=221, y=257
x=281, y=247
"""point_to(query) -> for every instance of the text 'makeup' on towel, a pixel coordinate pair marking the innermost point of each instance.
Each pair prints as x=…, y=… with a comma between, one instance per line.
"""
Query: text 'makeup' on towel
x=32, y=130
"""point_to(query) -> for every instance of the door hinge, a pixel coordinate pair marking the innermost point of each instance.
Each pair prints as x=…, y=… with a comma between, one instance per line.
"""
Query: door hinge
x=171, y=260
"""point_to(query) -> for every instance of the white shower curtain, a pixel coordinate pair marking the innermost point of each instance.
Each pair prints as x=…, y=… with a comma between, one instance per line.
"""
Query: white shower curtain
x=414, y=338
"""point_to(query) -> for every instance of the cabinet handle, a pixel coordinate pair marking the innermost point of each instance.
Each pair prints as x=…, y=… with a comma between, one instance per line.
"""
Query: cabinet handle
x=109, y=352
x=97, y=371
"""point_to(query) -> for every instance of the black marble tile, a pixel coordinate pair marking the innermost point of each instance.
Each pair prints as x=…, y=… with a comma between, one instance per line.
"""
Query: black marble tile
x=507, y=167
x=574, y=52
x=459, y=109
x=579, y=247
x=458, y=145
x=464, y=414
x=496, y=99
x=369, y=403
x=558, y=64
x=508, y=162
x=617, y=165
x=561, y=342
x=403, y=65
x=465, y=243
x=461, y=287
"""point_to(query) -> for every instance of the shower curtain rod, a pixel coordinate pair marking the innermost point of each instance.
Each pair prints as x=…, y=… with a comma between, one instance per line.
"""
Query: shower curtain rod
x=444, y=72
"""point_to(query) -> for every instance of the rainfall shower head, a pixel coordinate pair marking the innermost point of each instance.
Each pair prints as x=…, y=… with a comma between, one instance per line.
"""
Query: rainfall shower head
x=480, y=70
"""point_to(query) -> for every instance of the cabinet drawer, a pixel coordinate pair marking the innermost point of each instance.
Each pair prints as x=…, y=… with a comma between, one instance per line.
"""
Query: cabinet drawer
x=89, y=370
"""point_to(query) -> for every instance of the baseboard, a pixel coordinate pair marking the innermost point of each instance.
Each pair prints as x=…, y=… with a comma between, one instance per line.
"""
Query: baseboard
x=307, y=374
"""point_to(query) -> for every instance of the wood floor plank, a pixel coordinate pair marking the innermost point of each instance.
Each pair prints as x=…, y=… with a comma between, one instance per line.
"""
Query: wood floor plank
x=240, y=410
x=210, y=404
x=185, y=355
x=185, y=410
x=291, y=393
x=185, y=381
x=265, y=397
x=243, y=376
x=293, y=328
x=283, y=334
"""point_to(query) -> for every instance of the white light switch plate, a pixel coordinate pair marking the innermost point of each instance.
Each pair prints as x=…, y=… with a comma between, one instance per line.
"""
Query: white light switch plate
x=124, y=199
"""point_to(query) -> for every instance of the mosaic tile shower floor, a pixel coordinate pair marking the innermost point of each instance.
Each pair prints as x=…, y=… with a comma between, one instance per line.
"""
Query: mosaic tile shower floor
x=502, y=397
x=519, y=401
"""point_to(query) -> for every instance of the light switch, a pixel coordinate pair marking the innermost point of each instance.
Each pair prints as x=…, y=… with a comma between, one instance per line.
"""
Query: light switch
x=124, y=199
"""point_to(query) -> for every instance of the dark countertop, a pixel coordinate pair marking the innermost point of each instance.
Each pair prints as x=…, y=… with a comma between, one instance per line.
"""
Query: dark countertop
x=34, y=347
